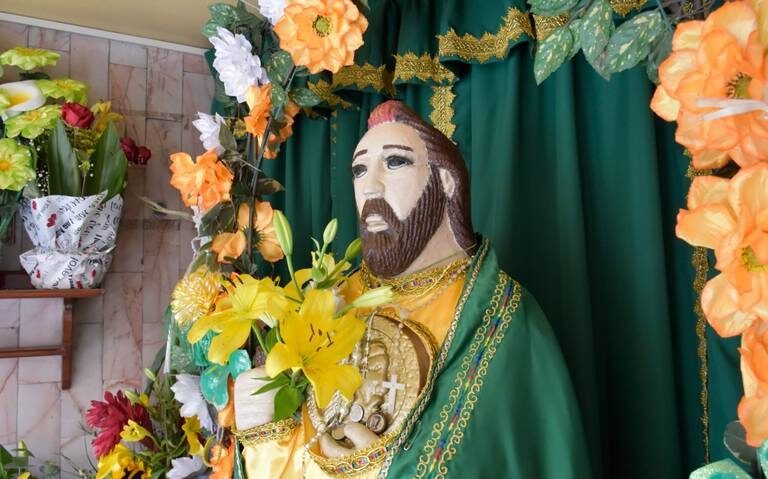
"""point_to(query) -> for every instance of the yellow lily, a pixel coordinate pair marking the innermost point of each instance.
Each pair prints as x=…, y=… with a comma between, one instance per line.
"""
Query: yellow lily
x=191, y=428
x=121, y=463
x=134, y=432
x=247, y=300
x=314, y=342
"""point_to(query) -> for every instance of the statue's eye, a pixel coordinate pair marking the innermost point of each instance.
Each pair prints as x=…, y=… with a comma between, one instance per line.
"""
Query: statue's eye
x=395, y=162
x=359, y=170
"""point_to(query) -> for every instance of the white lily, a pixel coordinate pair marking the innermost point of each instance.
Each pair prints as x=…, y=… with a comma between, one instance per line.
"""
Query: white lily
x=209, y=127
x=23, y=96
x=238, y=68
x=186, y=390
x=185, y=467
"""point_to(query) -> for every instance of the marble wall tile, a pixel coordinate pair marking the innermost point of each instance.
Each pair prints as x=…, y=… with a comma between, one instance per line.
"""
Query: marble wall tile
x=128, y=92
x=129, y=250
x=153, y=341
x=197, y=96
x=89, y=63
x=39, y=420
x=45, y=369
x=186, y=234
x=161, y=267
x=164, y=75
x=9, y=313
x=88, y=310
x=121, y=358
x=60, y=69
x=12, y=35
x=49, y=39
x=8, y=400
x=132, y=55
x=86, y=386
x=40, y=322
x=195, y=64
x=164, y=139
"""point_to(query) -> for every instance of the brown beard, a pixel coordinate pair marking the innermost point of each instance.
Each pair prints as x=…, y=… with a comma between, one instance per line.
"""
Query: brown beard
x=390, y=252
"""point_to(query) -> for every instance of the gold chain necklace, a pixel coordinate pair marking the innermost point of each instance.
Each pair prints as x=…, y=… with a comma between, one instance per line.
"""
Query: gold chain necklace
x=417, y=284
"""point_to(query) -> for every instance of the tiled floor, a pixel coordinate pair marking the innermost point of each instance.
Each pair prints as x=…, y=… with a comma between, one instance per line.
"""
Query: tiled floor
x=116, y=335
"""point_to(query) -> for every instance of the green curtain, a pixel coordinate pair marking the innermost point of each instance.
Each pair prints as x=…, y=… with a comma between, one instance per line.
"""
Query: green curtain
x=576, y=184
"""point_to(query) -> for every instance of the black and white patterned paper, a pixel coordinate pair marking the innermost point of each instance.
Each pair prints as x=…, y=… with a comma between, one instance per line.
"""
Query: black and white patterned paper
x=73, y=237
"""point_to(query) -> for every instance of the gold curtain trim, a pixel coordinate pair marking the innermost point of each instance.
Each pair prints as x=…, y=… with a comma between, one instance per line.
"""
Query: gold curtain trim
x=442, y=109
x=622, y=7
x=324, y=90
x=425, y=68
x=490, y=45
x=544, y=25
x=268, y=432
x=700, y=262
x=365, y=76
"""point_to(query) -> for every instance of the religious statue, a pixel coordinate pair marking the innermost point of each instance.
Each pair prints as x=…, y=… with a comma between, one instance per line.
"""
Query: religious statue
x=462, y=376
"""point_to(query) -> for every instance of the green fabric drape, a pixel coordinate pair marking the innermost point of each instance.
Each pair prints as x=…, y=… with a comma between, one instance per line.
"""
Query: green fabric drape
x=577, y=186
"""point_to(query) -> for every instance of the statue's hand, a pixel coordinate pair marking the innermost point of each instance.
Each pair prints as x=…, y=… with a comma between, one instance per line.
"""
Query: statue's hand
x=253, y=410
x=360, y=436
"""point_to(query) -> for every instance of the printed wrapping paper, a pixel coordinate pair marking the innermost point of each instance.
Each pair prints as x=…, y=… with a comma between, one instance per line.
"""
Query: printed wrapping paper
x=73, y=236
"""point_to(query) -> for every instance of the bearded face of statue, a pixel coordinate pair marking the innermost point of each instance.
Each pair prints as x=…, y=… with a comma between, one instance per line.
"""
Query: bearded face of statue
x=410, y=182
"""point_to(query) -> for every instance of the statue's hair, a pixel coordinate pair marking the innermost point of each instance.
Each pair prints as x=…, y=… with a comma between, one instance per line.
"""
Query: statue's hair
x=441, y=153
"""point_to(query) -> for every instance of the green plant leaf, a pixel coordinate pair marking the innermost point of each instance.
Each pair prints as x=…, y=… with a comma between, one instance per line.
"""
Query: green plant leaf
x=270, y=339
x=551, y=53
x=227, y=139
x=660, y=50
x=223, y=14
x=279, y=99
x=631, y=42
x=219, y=218
x=109, y=165
x=267, y=186
x=209, y=29
x=304, y=97
x=551, y=8
x=63, y=172
x=280, y=381
x=596, y=29
x=287, y=401
x=575, y=27
x=279, y=67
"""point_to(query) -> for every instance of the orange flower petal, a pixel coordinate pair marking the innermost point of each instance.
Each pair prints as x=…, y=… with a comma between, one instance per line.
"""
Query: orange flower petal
x=706, y=160
x=737, y=18
x=705, y=226
x=748, y=193
x=720, y=302
x=687, y=35
x=229, y=245
x=664, y=105
x=753, y=415
x=707, y=190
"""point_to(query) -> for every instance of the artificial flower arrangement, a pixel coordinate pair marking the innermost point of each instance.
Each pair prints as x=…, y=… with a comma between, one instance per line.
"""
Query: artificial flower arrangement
x=68, y=163
x=226, y=314
x=713, y=85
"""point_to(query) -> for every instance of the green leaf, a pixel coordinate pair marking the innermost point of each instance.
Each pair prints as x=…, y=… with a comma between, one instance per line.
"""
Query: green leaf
x=209, y=29
x=631, y=42
x=596, y=29
x=279, y=99
x=219, y=218
x=283, y=232
x=660, y=50
x=279, y=67
x=63, y=172
x=5, y=456
x=227, y=139
x=267, y=186
x=270, y=339
x=304, y=97
x=280, y=381
x=551, y=53
x=551, y=8
x=575, y=27
x=223, y=14
x=109, y=165
x=287, y=401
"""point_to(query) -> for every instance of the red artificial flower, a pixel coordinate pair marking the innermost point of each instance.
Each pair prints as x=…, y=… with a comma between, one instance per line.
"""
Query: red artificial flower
x=109, y=417
x=143, y=155
x=77, y=115
x=129, y=148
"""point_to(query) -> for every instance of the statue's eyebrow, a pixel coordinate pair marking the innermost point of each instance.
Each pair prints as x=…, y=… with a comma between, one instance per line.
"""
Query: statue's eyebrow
x=358, y=153
x=399, y=147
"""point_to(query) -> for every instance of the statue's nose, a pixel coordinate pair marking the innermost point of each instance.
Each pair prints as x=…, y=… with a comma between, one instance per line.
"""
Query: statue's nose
x=373, y=187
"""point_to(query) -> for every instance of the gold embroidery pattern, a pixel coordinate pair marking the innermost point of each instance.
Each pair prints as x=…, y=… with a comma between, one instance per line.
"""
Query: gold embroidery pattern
x=544, y=25
x=268, y=432
x=467, y=47
x=356, y=463
x=622, y=7
x=700, y=262
x=442, y=109
x=365, y=76
x=425, y=68
x=469, y=380
x=323, y=89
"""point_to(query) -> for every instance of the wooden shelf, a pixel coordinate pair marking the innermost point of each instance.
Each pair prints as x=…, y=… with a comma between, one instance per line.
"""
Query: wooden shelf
x=68, y=296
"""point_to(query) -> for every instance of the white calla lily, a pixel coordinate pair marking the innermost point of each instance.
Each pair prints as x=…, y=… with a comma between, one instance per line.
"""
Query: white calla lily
x=23, y=96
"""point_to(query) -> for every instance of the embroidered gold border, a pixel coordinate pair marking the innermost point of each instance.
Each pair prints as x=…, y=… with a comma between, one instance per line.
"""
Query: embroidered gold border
x=268, y=432
x=442, y=109
x=622, y=7
x=437, y=366
x=468, y=47
x=424, y=67
x=331, y=465
x=427, y=462
x=324, y=90
x=365, y=76
x=544, y=26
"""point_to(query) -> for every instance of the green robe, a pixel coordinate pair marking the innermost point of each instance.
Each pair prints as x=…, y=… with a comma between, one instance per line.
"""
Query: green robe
x=502, y=405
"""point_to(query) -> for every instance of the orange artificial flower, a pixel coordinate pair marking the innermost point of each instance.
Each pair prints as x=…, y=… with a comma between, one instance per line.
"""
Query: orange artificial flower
x=202, y=183
x=321, y=34
x=285, y=132
x=753, y=407
x=259, y=102
x=731, y=217
x=719, y=58
x=233, y=244
x=222, y=461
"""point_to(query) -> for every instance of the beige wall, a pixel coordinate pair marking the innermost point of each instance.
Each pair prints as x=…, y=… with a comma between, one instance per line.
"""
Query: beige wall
x=177, y=21
x=117, y=334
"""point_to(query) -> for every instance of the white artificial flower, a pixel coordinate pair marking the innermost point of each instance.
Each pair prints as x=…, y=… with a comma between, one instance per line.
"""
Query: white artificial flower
x=209, y=127
x=272, y=9
x=187, y=392
x=184, y=467
x=24, y=96
x=238, y=68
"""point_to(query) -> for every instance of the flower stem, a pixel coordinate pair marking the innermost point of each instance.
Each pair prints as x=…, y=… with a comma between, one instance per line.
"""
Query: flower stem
x=259, y=338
